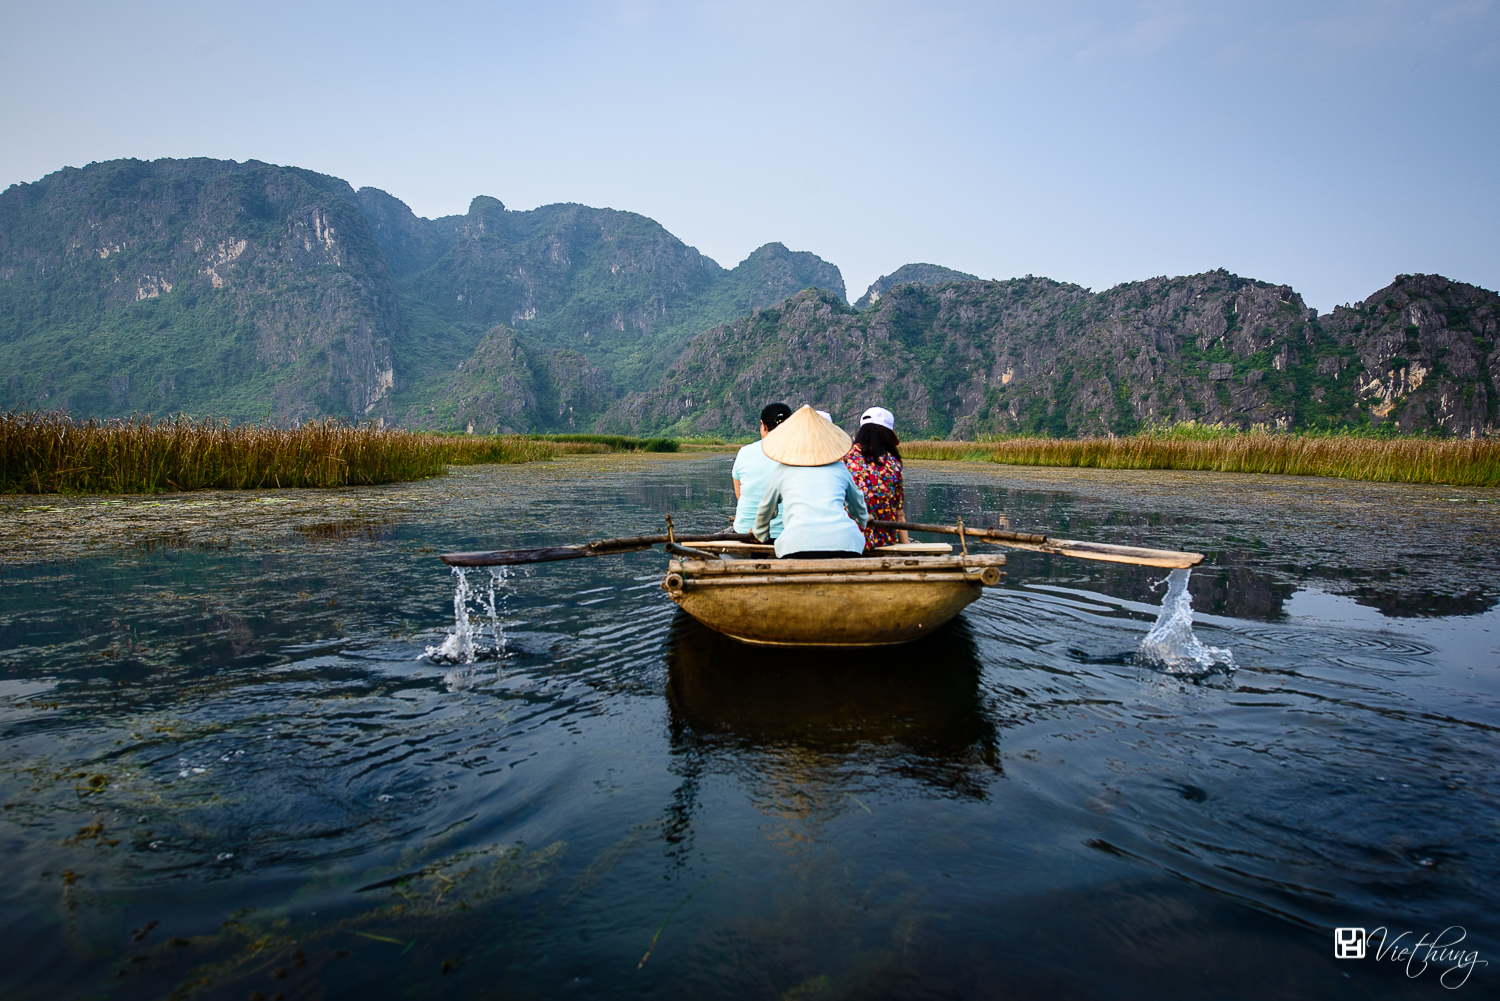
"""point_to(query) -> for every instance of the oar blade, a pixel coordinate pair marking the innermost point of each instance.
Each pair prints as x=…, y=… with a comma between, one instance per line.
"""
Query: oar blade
x=1165, y=558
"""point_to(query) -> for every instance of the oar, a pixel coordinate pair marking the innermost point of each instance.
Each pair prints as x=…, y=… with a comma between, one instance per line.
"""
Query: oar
x=691, y=553
x=601, y=547
x=1062, y=547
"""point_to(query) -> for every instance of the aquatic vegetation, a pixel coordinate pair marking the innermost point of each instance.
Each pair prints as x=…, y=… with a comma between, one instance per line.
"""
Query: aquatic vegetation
x=416, y=910
x=1472, y=462
x=49, y=452
x=673, y=913
x=612, y=442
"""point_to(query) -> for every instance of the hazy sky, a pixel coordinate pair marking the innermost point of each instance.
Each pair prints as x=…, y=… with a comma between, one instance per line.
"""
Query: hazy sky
x=1326, y=145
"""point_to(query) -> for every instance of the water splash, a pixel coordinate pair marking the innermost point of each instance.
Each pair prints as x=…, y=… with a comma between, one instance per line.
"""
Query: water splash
x=458, y=646
x=1171, y=646
x=498, y=577
x=466, y=645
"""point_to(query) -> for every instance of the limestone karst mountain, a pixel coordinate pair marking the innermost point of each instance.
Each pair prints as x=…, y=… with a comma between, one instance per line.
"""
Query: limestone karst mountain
x=1038, y=356
x=254, y=290
x=922, y=274
x=251, y=291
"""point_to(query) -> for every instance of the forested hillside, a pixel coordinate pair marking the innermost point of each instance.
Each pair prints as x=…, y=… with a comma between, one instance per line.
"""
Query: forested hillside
x=252, y=291
x=1032, y=355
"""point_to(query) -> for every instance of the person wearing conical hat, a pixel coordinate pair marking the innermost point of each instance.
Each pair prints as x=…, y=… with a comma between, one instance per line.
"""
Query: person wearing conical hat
x=823, y=513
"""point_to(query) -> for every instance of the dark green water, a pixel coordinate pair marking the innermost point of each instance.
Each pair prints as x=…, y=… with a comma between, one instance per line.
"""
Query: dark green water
x=227, y=773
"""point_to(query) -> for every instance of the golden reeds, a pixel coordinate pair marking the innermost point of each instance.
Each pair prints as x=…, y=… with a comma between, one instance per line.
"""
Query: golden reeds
x=52, y=453
x=1470, y=462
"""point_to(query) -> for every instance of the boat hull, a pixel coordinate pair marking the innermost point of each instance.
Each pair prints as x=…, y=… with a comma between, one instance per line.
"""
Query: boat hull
x=800, y=606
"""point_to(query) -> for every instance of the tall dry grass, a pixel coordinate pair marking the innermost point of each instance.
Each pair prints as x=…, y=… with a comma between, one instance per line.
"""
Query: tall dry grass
x=1455, y=461
x=610, y=442
x=52, y=453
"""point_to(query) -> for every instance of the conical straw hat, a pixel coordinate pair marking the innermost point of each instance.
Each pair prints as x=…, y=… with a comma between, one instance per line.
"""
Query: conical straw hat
x=805, y=439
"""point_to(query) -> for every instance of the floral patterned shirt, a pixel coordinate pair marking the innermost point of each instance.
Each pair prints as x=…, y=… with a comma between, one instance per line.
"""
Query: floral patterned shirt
x=880, y=482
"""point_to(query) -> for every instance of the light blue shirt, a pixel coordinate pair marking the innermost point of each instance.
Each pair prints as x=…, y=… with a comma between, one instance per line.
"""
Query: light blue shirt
x=753, y=469
x=812, y=500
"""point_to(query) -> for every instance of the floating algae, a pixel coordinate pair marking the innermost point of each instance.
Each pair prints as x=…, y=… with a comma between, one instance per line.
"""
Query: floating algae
x=1172, y=647
x=416, y=911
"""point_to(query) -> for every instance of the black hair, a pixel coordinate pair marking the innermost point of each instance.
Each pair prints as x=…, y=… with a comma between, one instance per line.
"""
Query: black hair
x=875, y=440
x=774, y=414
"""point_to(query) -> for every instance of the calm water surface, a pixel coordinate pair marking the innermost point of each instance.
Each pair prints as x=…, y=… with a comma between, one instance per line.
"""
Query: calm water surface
x=227, y=772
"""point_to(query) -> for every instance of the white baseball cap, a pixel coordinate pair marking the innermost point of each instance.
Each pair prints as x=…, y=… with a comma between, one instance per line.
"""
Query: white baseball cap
x=881, y=416
x=825, y=415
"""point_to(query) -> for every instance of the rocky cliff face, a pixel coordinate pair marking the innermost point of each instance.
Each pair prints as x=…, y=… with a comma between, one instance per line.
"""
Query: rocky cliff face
x=615, y=286
x=1422, y=353
x=922, y=274
x=606, y=283
x=596, y=299
x=1033, y=355
x=193, y=284
x=811, y=349
x=504, y=388
x=410, y=243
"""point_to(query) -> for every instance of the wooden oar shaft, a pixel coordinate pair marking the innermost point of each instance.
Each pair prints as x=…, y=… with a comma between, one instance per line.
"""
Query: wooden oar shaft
x=1169, y=559
x=600, y=547
x=1166, y=558
x=690, y=552
x=982, y=534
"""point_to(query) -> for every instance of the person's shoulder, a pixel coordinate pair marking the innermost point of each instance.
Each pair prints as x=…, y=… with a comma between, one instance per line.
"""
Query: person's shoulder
x=749, y=453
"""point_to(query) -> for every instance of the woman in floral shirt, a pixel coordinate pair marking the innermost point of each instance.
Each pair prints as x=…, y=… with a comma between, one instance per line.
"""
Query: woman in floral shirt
x=875, y=464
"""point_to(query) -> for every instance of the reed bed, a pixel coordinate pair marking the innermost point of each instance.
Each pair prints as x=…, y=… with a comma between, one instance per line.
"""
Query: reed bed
x=611, y=442
x=52, y=453
x=1469, y=462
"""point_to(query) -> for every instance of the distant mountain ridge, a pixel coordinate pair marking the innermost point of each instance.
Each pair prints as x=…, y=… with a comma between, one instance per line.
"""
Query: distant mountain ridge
x=1032, y=355
x=253, y=290
x=921, y=274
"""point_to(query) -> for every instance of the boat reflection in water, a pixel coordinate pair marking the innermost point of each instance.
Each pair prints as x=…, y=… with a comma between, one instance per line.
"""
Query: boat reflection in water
x=811, y=733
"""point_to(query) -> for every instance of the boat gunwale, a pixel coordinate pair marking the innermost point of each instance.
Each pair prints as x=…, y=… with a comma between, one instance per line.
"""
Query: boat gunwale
x=858, y=566
x=974, y=575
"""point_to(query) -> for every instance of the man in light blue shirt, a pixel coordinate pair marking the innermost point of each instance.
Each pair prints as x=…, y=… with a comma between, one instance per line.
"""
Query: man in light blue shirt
x=752, y=471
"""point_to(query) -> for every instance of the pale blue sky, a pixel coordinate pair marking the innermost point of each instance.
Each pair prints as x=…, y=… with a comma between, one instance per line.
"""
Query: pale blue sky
x=1326, y=145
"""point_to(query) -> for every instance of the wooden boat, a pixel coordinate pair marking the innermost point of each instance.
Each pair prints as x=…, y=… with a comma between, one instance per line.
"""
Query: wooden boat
x=900, y=593
x=896, y=595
